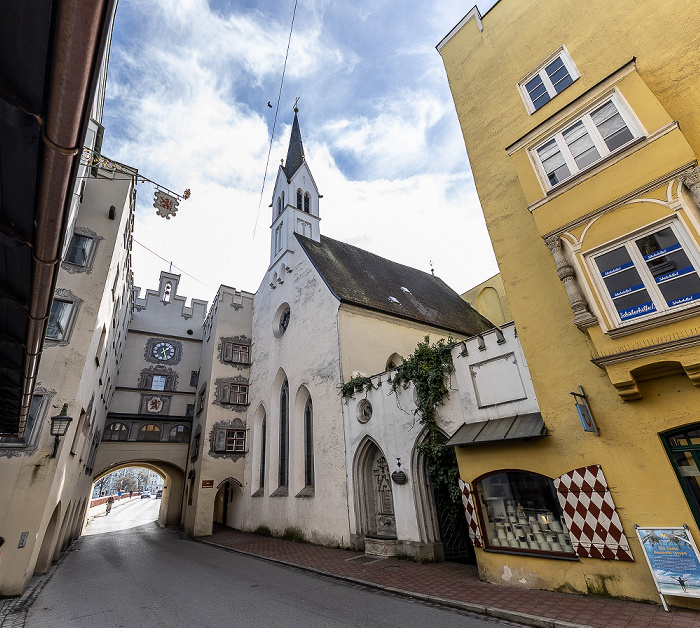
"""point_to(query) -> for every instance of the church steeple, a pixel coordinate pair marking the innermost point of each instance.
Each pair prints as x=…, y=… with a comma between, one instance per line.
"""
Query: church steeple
x=295, y=152
x=295, y=203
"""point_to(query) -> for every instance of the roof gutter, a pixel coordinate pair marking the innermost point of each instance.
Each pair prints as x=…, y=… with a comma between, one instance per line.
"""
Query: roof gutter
x=79, y=39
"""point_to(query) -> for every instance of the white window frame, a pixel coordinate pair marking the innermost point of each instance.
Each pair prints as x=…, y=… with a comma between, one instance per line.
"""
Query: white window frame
x=65, y=330
x=89, y=253
x=159, y=382
x=541, y=70
x=628, y=117
x=628, y=241
x=235, y=443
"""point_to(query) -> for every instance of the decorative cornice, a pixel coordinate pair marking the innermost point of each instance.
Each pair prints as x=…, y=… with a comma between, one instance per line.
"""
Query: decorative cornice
x=648, y=350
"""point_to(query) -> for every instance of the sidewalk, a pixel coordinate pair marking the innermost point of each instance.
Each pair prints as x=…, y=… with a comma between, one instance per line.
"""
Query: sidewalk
x=458, y=586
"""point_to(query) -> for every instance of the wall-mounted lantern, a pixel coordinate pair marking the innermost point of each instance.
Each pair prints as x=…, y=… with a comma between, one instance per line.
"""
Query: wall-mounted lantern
x=59, y=427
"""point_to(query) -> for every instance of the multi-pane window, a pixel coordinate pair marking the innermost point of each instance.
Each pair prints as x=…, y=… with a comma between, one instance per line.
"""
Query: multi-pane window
x=234, y=393
x=116, y=431
x=235, y=440
x=299, y=196
x=201, y=399
x=158, y=382
x=179, y=434
x=554, y=76
x=58, y=319
x=594, y=136
x=683, y=448
x=649, y=273
x=149, y=432
x=236, y=353
x=79, y=250
x=307, y=203
x=309, y=444
x=283, y=471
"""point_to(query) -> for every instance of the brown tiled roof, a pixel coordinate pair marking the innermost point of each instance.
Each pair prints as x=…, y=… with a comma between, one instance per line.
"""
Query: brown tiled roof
x=364, y=279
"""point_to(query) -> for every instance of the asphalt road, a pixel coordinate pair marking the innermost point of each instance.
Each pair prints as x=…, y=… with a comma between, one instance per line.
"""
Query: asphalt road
x=124, y=515
x=149, y=577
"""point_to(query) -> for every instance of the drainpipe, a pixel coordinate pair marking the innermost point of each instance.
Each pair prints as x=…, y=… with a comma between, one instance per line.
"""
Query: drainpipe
x=79, y=40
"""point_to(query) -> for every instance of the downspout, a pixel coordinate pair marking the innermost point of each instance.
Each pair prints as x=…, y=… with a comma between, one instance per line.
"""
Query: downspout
x=80, y=34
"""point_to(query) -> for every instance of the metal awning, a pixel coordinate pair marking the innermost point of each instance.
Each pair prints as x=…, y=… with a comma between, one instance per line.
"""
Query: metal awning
x=518, y=427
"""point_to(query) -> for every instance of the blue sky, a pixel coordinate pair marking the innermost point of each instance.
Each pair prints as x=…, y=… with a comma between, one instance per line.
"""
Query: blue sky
x=187, y=95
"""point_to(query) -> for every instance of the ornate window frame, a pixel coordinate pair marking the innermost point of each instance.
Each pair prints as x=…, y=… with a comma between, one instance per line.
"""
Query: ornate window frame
x=147, y=374
x=222, y=392
x=28, y=443
x=73, y=267
x=65, y=296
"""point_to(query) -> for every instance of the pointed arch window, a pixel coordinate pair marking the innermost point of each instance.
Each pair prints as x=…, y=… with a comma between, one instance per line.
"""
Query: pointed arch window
x=263, y=447
x=279, y=205
x=299, y=195
x=309, y=443
x=283, y=473
x=307, y=203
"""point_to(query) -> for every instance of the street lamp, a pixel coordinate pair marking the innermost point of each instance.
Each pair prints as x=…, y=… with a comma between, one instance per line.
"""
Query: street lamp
x=59, y=427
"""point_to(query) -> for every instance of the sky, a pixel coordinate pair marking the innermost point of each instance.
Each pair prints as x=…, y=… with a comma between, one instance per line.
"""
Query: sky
x=186, y=104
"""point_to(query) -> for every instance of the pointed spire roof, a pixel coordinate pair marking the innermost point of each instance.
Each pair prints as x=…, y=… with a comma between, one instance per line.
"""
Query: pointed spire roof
x=295, y=152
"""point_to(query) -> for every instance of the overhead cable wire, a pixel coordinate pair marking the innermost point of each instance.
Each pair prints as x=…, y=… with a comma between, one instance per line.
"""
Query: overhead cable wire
x=274, y=124
x=171, y=264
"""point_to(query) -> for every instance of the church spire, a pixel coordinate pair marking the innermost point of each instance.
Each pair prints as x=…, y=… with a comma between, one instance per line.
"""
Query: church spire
x=295, y=152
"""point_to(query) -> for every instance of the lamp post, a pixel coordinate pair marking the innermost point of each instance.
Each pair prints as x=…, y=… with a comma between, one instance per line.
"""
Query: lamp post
x=59, y=427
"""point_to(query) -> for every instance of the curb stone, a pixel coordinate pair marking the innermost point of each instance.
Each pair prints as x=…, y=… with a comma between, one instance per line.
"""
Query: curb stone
x=478, y=609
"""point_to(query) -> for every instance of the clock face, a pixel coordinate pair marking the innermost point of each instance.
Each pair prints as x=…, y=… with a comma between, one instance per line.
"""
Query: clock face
x=163, y=351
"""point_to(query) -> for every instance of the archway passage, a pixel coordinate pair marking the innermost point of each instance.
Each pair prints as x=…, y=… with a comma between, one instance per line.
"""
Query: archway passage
x=227, y=504
x=174, y=480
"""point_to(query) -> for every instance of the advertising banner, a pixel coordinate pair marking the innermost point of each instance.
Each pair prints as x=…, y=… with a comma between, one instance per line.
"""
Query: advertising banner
x=673, y=559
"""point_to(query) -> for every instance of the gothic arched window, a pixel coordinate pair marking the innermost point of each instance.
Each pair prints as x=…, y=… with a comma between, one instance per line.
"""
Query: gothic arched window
x=279, y=205
x=307, y=203
x=263, y=446
x=309, y=444
x=299, y=198
x=283, y=473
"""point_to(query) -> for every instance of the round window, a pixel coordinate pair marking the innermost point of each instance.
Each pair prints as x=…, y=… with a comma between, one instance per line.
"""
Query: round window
x=284, y=320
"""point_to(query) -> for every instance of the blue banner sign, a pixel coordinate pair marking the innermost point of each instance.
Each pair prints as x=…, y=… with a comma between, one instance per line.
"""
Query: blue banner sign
x=662, y=252
x=637, y=310
x=673, y=559
x=626, y=291
x=688, y=299
x=675, y=274
x=617, y=269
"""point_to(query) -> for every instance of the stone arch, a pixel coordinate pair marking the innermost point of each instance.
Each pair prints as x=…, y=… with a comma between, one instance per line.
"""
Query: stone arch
x=43, y=561
x=426, y=513
x=174, y=481
x=373, y=499
x=227, y=503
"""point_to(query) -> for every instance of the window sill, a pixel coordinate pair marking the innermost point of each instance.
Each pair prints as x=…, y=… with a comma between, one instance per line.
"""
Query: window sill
x=533, y=553
x=282, y=491
x=655, y=320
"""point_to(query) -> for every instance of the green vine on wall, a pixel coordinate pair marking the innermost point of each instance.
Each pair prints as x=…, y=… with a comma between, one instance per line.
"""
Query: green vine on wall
x=429, y=369
x=357, y=384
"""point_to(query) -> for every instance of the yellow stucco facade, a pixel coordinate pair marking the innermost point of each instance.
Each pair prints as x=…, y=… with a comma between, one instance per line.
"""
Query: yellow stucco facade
x=590, y=234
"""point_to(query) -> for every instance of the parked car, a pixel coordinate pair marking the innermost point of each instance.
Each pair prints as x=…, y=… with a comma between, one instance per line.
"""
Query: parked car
x=159, y=494
x=146, y=495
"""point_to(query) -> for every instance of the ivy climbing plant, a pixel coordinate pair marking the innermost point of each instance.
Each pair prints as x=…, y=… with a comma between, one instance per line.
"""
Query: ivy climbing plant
x=357, y=384
x=429, y=369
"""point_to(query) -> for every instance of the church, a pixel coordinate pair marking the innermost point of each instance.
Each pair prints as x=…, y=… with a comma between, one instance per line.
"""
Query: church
x=275, y=447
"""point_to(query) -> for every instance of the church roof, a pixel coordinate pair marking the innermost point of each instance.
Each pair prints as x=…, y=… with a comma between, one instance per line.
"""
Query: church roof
x=367, y=280
x=295, y=152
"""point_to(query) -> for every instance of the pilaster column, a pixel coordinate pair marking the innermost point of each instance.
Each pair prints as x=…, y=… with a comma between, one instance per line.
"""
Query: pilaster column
x=582, y=315
x=691, y=179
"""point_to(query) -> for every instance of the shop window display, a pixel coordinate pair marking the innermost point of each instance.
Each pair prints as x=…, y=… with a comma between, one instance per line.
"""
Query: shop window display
x=520, y=511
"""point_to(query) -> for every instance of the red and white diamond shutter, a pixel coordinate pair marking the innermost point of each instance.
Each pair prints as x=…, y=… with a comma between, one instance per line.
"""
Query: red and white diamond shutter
x=470, y=513
x=589, y=511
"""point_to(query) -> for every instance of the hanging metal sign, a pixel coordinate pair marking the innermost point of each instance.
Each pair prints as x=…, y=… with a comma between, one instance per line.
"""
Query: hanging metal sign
x=165, y=204
x=584, y=412
x=673, y=560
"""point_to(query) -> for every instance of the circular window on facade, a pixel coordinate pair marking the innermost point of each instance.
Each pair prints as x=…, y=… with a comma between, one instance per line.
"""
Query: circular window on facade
x=364, y=411
x=281, y=320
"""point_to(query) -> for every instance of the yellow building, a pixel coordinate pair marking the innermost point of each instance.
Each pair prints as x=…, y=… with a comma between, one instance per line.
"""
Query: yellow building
x=582, y=128
x=489, y=299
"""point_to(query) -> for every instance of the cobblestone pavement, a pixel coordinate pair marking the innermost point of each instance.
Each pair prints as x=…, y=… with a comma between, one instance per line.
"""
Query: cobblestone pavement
x=459, y=586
